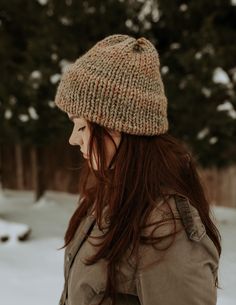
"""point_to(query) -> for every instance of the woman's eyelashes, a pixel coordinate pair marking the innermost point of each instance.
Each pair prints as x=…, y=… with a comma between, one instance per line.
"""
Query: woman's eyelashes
x=82, y=128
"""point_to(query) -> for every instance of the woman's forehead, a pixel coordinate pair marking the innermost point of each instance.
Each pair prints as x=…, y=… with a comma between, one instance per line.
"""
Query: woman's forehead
x=76, y=118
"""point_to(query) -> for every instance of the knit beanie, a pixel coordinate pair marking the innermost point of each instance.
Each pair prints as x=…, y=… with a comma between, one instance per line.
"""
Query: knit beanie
x=117, y=84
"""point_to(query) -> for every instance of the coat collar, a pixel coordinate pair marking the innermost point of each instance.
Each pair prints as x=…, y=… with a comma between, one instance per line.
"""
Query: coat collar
x=80, y=235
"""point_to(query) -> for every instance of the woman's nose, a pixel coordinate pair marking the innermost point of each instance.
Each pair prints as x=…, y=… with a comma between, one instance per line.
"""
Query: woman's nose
x=73, y=140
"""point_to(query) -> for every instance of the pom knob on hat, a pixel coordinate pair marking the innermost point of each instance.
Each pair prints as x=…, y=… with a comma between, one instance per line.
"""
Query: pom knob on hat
x=138, y=46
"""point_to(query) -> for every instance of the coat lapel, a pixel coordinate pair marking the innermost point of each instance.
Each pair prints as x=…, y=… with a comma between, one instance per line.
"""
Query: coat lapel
x=80, y=236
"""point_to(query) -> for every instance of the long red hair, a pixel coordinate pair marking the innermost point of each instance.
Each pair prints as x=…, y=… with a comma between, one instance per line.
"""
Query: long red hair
x=145, y=166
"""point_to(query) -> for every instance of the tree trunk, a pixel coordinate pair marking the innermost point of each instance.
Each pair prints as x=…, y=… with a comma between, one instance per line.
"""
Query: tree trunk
x=37, y=171
x=19, y=167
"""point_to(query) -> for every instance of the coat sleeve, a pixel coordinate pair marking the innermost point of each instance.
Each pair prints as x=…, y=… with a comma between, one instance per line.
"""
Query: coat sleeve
x=184, y=274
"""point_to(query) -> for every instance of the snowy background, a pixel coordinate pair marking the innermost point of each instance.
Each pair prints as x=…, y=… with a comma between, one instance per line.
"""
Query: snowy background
x=32, y=271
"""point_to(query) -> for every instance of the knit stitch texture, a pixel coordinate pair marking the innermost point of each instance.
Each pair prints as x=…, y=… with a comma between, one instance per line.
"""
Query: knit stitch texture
x=117, y=84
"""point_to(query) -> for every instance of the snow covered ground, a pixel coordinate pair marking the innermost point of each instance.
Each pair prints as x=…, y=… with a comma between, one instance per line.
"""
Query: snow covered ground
x=31, y=272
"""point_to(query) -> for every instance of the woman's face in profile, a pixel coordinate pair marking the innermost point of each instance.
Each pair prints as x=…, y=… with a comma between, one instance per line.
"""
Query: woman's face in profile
x=81, y=134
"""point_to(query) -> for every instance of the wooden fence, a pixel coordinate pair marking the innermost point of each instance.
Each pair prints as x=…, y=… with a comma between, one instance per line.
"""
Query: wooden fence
x=57, y=168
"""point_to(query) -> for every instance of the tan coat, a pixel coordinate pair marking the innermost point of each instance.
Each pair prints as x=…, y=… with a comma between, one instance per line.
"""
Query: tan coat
x=185, y=276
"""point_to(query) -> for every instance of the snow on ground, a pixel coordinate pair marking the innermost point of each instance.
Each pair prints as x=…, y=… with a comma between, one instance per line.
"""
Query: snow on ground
x=32, y=270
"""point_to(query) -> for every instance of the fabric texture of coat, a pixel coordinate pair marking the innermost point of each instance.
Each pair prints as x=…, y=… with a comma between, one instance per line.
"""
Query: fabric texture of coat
x=184, y=276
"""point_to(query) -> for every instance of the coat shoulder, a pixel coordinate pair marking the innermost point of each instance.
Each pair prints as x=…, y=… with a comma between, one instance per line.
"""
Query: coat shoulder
x=174, y=213
x=182, y=266
x=172, y=222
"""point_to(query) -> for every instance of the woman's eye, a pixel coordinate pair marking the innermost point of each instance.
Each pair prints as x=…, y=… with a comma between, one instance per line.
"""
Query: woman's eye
x=82, y=128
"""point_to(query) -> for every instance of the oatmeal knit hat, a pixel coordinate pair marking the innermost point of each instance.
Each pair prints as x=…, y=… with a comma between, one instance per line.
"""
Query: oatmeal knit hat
x=117, y=84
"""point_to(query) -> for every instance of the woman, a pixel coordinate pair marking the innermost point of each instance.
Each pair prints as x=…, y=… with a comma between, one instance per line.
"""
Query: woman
x=142, y=231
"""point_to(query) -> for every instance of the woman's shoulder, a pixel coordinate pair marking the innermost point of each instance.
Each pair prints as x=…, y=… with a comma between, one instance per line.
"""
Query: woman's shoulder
x=175, y=212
